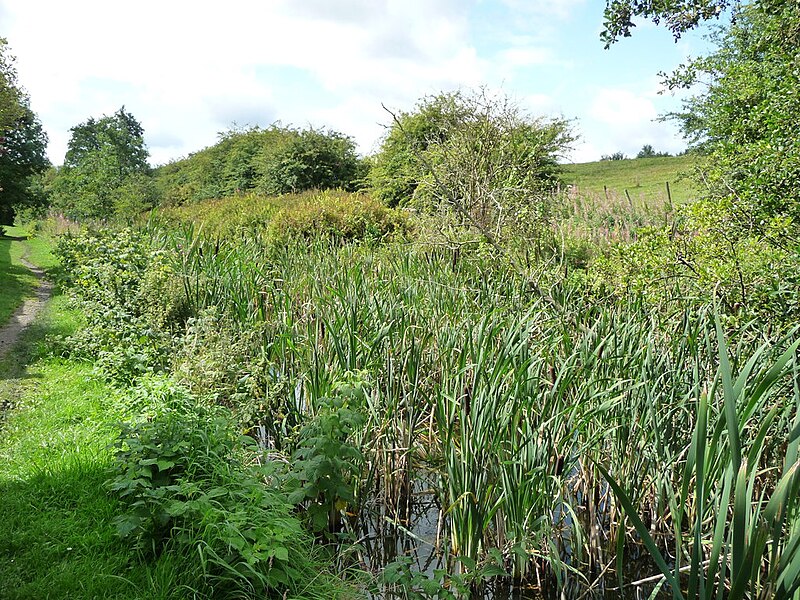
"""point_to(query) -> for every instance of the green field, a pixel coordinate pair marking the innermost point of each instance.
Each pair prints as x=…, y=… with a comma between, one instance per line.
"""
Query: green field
x=643, y=178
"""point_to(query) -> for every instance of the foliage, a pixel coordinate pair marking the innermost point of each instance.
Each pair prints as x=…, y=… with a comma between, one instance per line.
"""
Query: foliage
x=398, y=168
x=677, y=16
x=23, y=143
x=312, y=159
x=105, y=170
x=335, y=216
x=12, y=98
x=745, y=120
x=504, y=415
x=739, y=242
x=21, y=159
x=614, y=156
x=752, y=548
x=186, y=488
x=232, y=166
x=274, y=160
x=105, y=272
x=647, y=151
x=326, y=463
x=478, y=156
x=400, y=577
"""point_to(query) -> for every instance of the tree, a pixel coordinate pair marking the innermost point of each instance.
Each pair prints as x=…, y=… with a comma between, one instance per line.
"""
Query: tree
x=22, y=142
x=103, y=157
x=677, y=15
x=747, y=117
x=274, y=160
x=477, y=155
x=741, y=237
x=398, y=168
x=22, y=158
x=12, y=99
x=312, y=159
x=648, y=151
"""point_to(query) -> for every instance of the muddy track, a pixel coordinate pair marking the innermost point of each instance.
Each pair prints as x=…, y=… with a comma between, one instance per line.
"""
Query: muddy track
x=25, y=314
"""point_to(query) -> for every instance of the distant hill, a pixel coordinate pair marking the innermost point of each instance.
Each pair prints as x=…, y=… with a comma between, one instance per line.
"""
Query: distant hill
x=643, y=178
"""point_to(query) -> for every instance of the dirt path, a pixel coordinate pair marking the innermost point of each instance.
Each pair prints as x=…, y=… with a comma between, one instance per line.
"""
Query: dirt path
x=25, y=314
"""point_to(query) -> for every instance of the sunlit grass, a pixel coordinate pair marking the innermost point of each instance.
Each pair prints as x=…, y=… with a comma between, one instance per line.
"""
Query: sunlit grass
x=16, y=282
x=645, y=179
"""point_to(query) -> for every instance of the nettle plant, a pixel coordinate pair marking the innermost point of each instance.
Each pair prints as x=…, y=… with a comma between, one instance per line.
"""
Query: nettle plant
x=105, y=273
x=326, y=463
x=186, y=487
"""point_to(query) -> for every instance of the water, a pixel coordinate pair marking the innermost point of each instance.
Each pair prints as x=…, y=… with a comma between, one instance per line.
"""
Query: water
x=419, y=541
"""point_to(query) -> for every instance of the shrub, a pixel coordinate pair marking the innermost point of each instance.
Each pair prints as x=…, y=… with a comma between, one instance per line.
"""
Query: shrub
x=312, y=159
x=326, y=464
x=104, y=273
x=335, y=216
x=188, y=489
x=477, y=155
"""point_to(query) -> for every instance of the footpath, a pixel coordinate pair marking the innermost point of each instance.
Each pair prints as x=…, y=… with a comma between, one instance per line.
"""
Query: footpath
x=25, y=314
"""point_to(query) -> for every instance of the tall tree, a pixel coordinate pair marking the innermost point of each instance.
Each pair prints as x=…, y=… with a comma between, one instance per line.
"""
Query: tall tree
x=12, y=99
x=22, y=158
x=103, y=157
x=22, y=141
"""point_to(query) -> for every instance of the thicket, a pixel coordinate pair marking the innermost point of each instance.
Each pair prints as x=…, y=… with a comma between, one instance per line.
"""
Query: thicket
x=275, y=160
x=740, y=240
x=475, y=155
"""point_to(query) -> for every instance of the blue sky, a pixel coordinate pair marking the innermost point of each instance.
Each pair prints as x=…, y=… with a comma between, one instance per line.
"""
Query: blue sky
x=188, y=70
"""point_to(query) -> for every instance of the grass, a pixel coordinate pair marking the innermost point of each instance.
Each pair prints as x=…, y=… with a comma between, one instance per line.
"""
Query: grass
x=543, y=419
x=16, y=282
x=58, y=535
x=515, y=407
x=643, y=178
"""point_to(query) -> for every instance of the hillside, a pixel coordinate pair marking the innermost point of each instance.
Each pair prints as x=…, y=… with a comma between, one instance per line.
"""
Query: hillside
x=643, y=178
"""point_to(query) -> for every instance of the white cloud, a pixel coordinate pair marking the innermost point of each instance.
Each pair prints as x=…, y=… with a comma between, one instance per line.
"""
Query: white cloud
x=526, y=56
x=621, y=120
x=622, y=109
x=546, y=9
x=187, y=70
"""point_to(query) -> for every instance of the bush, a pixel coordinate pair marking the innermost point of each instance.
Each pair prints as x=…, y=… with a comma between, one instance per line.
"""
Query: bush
x=476, y=155
x=335, y=216
x=188, y=489
x=311, y=160
x=105, y=274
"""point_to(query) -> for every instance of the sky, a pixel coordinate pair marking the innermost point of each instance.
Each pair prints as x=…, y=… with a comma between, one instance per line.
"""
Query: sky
x=190, y=70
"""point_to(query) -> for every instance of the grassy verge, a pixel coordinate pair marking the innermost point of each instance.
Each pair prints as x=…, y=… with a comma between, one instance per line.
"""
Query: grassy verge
x=58, y=529
x=56, y=534
x=57, y=539
x=16, y=282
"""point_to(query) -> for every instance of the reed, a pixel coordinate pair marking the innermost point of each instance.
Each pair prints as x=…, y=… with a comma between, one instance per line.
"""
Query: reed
x=542, y=418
